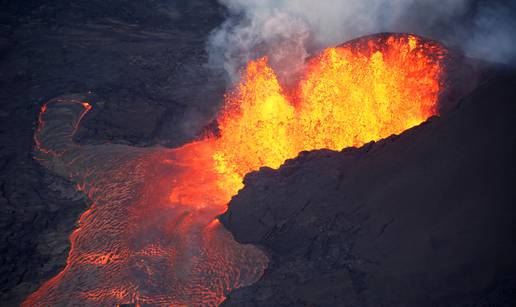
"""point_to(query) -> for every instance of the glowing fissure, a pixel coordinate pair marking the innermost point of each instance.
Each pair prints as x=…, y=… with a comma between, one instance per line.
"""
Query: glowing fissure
x=151, y=236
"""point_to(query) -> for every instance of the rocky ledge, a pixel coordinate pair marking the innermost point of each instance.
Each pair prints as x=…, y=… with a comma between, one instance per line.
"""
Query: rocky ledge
x=426, y=218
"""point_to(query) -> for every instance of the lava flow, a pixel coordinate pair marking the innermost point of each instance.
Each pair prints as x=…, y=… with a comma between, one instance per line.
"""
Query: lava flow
x=151, y=236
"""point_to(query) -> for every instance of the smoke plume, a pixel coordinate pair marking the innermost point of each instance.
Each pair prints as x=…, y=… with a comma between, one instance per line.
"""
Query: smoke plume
x=288, y=31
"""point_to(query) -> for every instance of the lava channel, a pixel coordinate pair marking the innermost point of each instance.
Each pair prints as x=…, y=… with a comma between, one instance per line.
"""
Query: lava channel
x=151, y=235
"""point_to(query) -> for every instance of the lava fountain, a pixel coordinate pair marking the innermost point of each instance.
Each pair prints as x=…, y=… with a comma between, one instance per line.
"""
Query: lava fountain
x=151, y=236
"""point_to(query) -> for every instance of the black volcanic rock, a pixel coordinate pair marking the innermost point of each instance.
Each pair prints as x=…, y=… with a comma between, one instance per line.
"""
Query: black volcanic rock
x=143, y=62
x=426, y=218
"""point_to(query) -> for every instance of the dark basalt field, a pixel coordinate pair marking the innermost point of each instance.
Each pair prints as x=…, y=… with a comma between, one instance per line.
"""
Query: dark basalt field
x=142, y=64
x=426, y=218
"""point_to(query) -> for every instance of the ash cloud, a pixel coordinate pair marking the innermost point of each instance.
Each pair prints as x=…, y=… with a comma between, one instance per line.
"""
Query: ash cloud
x=289, y=31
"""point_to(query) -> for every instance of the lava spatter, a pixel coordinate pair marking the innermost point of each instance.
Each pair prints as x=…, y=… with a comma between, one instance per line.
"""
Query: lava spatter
x=361, y=91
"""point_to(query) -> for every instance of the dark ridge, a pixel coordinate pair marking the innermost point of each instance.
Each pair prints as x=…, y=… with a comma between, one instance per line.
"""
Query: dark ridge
x=425, y=218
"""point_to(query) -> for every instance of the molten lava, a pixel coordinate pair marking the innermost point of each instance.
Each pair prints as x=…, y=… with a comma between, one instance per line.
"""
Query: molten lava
x=359, y=92
x=151, y=236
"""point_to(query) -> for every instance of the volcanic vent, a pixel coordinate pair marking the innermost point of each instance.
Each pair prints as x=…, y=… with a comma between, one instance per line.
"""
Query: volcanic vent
x=151, y=235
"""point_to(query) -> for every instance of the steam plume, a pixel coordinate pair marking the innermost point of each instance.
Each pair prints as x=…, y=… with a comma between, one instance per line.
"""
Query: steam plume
x=288, y=31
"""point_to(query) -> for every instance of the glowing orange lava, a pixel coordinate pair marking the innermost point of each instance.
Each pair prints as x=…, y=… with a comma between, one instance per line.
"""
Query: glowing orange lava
x=359, y=92
x=151, y=236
